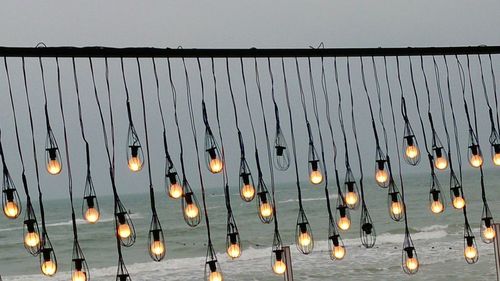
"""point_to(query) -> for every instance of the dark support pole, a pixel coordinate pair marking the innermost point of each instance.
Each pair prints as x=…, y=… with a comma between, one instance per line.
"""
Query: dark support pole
x=288, y=260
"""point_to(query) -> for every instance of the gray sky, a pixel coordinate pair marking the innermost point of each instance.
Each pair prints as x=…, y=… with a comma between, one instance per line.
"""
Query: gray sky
x=198, y=24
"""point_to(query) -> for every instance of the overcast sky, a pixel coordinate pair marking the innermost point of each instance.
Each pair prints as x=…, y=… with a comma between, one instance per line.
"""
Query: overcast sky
x=221, y=24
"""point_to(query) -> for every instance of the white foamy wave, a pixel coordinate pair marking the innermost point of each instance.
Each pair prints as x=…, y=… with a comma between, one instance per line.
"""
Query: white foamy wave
x=432, y=228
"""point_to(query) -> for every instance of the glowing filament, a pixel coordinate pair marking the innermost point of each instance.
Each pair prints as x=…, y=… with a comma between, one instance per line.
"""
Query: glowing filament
x=412, y=152
x=215, y=276
x=396, y=208
x=248, y=192
x=175, y=191
x=305, y=239
x=32, y=239
x=191, y=211
x=11, y=210
x=351, y=198
x=344, y=223
x=92, y=215
x=216, y=165
x=279, y=267
x=124, y=231
x=496, y=159
x=470, y=252
x=134, y=164
x=266, y=210
x=49, y=268
x=157, y=248
x=488, y=233
x=476, y=161
x=234, y=251
x=316, y=177
x=54, y=167
x=381, y=176
x=339, y=252
x=441, y=163
x=458, y=202
x=412, y=264
x=437, y=207
x=79, y=276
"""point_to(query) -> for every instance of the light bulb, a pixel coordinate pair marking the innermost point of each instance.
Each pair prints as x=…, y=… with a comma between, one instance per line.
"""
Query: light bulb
x=78, y=276
x=339, y=252
x=32, y=239
x=344, y=223
x=134, y=164
x=381, y=176
x=496, y=159
x=316, y=177
x=49, y=268
x=54, y=167
x=305, y=239
x=351, y=198
x=458, y=202
x=157, y=248
x=412, y=152
x=279, y=267
x=441, y=163
x=396, y=208
x=92, y=215
x=215, y=276
x=234, y=251
x=215, y=165
x=412, y=264
x=488, y=233
x=11, y=210
x=476, y=161
x=124, y=231
x=175, y=191
x=266, y=210
x=191, y=211
x=248, y=192
x=437, y=207
x=470, y=252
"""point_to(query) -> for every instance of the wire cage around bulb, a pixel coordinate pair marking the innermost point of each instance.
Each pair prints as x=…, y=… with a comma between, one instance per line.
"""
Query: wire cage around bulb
x=304, y=239
x=90, y=206
x=411, y=150
x=367, y=231
x=457, y=199
x=471, y=253
x=437, y=203
x=52, y=154
x=488, y=232
x=495, y=147
x=124, y=226
x=474, y=152
x=314, y=165
x=351, y=191
x=335, y=243
x=233, y=241
x=172, y=180
x=190, y=206
x=281, y=153
x=265, y=207
x=395, y=202
x=409, y=259
x=11, y=202
x=213, y=157
x=439, y=154
x=156, y=240
x=247, y=185
x=213, y=270
x=342, y=215
x=122, y=272
x=48, y=259
x=31, y=232
x=278, y=259
x=135, y=155
x=382, y=176
x=79, y=268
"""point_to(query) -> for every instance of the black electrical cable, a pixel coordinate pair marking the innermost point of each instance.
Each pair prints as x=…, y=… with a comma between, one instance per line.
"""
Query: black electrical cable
x=494, y=132
x=493, y=78
x=363, y=78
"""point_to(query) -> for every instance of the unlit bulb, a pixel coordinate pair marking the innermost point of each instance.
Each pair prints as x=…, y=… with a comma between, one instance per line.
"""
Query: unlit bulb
x=49, y=268
x=344, y=223
x=54, y=167
x=134, y=164
x=175, y=191
x=437, y=207
x=215, y=165
x=339, y=252
x=11, y=210
x=441, y=163
x=412, y=152
x=234, y=251
x=32, y=239
x=92, y=215
x=316, y=177
x=248, y=192
x=279, y=267
x=476, y=161
x=266, y=210
x=124, y=231
x=191, y=211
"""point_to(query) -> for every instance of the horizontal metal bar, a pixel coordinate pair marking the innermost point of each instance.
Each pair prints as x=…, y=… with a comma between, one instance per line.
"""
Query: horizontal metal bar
x=101, y=52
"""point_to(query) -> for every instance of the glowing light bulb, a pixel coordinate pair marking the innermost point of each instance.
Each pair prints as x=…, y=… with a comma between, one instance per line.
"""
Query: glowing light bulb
x=412, y=264
x=215, y=165
x=441, y=163
x=157, y=248
x=32, y=239
x=339, y=252
x=344, y=223
x=134, y=164
x=412, y=152
x=437, y=207
x=124, y=231
x=305, y=239
x=215, y=276
x=496, y=159
x=234, y=251
x=248, y=192
x=489, y=233
x=191, y=211
x=92, y=215
x=316, y=177
x=78, y=276
x=470, y=252
x=396, y=208
x=175, y=191
x=279, y=267
x=351, y=198
x=54, y=167
x=476, y=161
x=381, y=176
x=11, y=210
x=49, y=268
x=458, y=202
x=266, y=210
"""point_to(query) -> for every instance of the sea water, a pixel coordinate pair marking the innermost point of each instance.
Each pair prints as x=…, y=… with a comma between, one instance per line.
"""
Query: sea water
x=438, y=238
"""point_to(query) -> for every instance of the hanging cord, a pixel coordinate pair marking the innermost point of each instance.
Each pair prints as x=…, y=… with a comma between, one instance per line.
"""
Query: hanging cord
x=490, y=110
x=443, y=112
x=193, y=128
x=341, y=115
x=380, y=113
x=165, y=143
x=303, y=101
x=493, y=78
x=70, y=178
x=46, y=111
x=80, y=116
x=363, y=78
x=151, y=189
x=269, y=153
x=129, y=112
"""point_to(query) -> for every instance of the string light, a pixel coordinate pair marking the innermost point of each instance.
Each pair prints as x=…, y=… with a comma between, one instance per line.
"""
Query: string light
x=11, y=202
x=278, y=263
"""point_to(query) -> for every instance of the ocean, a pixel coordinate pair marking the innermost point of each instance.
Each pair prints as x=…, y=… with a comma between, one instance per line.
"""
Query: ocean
x=438, y=239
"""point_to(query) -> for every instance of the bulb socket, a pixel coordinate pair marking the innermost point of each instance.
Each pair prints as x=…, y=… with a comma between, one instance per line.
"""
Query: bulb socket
x=367, y=228
x=439, y=152
x=172, y=177
x=409, y=251
x=474, y=149
x=46, y=254
x=487, y=221
x=335, y=239
x=121, y=217
x=279, y=255
x=303, y=227
x=435, y=194
x=246, y=178
x=394, y=197
x=381, y=164
x=9, y=193
x=409, y=140
x=279, y=150
x=263, y=197
x=350, y=186
x=233, y=238
x=496, y=147
x=211, y=152
x=30, y=225
x=156, y=234
x=134, y=150
x=314, y=164
x=90, y=201
x=212, y=265
x=456, y=191
x=52, y=153
x=342, y=211
x=469, y=240
x=123, y=277
x=78, y=264
x=189, y=198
